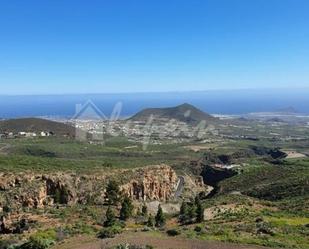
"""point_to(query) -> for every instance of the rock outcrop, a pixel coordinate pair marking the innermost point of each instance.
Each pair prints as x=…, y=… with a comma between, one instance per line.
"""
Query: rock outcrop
x=212, y=175
x=13, y=225
x=154, y=183
x=37, y=190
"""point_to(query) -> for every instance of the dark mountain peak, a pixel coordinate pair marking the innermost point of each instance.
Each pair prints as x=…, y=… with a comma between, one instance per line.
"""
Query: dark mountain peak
x=185, y=105
x=184, y=112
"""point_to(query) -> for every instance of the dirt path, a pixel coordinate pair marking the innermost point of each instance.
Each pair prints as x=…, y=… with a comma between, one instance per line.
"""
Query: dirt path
x=159, y=242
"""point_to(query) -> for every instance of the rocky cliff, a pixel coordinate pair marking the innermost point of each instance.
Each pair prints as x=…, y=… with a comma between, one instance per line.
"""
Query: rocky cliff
x=37, y=190
x=153, y=183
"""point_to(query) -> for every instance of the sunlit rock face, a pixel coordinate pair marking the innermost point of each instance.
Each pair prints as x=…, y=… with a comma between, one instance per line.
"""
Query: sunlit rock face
x=38, y=190
x=153, y=183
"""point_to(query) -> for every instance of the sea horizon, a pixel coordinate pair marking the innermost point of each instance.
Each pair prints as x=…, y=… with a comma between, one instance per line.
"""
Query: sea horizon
x=221, y=102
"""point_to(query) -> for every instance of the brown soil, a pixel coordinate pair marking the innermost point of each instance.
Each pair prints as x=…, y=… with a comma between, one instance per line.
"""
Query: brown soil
x=159, y=242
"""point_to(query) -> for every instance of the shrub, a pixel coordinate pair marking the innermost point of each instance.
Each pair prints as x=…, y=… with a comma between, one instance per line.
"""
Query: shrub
x=149, y=247
x=126, y=246
x=37, y=243
x=7, y=209
x=109, y=232
x=173, y=232
x=41, y=240
x=21, y=226
x=6, y=244
x=198, y=229
x=150, y=221
x=144, y=210
x=47, y=234
x=265, y=228
x=146, y=229
x=77, y=228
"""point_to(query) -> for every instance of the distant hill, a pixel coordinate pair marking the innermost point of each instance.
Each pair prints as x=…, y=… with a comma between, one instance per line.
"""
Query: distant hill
x=185, y=113
x=36, y=125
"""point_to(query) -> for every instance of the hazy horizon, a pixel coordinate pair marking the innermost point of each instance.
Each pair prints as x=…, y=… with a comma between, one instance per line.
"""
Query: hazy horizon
x=214, y=102
x=164, y=92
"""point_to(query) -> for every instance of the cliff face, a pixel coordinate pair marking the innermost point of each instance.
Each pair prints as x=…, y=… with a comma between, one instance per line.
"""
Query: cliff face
x=37, y=191
x=213, y=175
x=156, y=183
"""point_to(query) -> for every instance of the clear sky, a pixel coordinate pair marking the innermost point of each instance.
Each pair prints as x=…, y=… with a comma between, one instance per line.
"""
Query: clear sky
x=74, y=46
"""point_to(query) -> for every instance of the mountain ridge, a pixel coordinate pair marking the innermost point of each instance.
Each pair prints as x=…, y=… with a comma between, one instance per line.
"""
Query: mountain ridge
x=36, y=125
x=185, y=113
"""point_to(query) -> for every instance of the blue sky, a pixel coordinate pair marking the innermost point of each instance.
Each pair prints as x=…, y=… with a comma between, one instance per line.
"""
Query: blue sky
x=157, y=45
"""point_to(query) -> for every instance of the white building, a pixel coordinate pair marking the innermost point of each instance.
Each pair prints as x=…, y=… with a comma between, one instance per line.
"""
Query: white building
x=44, y=134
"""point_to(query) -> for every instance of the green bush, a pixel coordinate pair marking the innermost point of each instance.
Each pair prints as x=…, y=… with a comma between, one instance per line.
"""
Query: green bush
x=109, y=232
x=173, y=232
x=144, y=210
x=37, y=243
x=79, y=228
x=150, y=221
x=47, y=234
x=265, y=228
x=198, y=229
x=7, y=244
x=40, y=240
x=149, y=247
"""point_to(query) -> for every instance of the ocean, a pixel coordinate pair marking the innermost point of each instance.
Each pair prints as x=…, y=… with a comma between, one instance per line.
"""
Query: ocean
x=228, y=102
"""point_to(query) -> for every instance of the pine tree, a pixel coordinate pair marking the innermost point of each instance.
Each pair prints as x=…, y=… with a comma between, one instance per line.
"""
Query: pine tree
x=126, y=209
x=112, y=192
x=183, y=215
x=150, y=222
x=144, y=210
x=110, y=217
x=191, y=212
x=199, y=210
x=160, y=218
